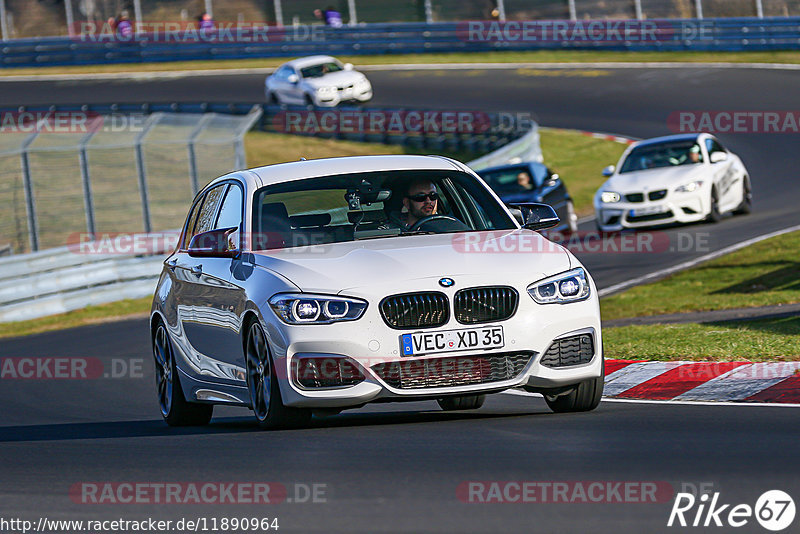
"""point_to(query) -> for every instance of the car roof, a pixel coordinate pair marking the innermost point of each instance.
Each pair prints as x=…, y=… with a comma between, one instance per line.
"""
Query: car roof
x=668, y=138
x=511, y=166
x=309, y=60
x=300, y=170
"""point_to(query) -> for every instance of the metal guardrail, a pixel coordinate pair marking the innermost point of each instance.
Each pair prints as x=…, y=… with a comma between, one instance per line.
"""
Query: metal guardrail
x=495, y=130
x=721, y=34
x=64, y=279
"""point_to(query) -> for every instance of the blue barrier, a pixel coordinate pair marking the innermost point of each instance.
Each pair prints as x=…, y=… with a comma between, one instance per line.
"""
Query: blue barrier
x=731, y=34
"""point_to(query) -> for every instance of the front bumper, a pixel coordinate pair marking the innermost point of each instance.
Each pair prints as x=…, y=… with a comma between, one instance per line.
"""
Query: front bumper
x=360, y=94
x=370, y=342
x=674, y=208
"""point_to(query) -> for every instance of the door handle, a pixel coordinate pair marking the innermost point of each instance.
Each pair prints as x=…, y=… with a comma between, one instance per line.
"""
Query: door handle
x=171, y=264
x=197, y=270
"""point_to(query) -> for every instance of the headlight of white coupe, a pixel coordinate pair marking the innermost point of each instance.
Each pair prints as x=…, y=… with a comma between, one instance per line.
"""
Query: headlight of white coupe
x=688, y=188
x=326, y=90
x=609, y=197
x=302, y=308
x=570, y=286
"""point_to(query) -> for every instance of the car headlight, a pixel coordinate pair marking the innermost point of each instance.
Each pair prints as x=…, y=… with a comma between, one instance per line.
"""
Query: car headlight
x=326, y=90
x=688, y=188
x=302, y=308
x=570, y=286
x=609, y=197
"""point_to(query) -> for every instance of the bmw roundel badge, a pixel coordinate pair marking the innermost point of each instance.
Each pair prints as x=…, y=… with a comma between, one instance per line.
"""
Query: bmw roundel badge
x=446, y=282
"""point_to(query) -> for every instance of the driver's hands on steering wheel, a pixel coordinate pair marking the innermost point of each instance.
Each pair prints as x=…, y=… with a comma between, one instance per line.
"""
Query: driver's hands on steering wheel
x=450, y=223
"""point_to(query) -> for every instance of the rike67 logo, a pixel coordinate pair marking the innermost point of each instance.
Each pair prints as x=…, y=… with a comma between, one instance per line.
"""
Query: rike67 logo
x=774, y=510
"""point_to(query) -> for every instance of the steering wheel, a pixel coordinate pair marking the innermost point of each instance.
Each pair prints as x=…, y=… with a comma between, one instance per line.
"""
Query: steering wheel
x=417, y=225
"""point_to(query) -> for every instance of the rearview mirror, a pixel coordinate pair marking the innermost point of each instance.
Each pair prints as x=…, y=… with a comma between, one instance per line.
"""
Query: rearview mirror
x=219, y=243
x=609, y=171
x=537, y=216
x=293, y=78
x=348, y=66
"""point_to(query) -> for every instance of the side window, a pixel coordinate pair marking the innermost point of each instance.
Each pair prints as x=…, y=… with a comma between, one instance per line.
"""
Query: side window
x=540, y=174
x=712, y=145
x=208, y=212
x=230, y=214
x=191, y=221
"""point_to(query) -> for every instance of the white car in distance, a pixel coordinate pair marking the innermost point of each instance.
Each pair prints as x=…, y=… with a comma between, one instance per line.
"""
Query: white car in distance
x=673, y=179
x=322, y=81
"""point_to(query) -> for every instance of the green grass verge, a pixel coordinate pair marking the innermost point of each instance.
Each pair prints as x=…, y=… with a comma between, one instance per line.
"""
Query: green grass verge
x=579, y=160
x=763, y=274
x=762, y=340
x=534, y=56
x=101, y=313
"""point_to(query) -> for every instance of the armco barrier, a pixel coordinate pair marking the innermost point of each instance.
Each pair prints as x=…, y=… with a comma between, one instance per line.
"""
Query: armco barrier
x=728, y=34
x=64, y=279
x=495, y=130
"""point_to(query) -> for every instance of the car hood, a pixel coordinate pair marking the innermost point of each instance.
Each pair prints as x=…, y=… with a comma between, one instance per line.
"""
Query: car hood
x=364, y=267
x=338, y=79
x=653, y=179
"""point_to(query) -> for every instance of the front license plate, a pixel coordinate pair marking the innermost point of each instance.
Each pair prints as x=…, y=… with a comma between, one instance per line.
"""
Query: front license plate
x=487, y=337
x=650, y=210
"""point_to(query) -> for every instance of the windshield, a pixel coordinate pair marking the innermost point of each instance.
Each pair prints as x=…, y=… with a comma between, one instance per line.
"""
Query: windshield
x=321, y=69
x=662, y=155
x=375, y=205
x=515, y=180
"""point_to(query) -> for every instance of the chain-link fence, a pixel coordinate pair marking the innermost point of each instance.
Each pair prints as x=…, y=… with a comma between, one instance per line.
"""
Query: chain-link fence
x=27, y=18
x=67, y=176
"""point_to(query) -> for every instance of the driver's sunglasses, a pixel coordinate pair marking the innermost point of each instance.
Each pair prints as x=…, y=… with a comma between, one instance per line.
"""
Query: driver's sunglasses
x=420, y=197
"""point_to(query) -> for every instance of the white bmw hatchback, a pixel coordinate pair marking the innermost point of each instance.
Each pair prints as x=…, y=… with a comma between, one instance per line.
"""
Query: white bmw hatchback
x=317, y=81
x=322, y=285
x=673, y=179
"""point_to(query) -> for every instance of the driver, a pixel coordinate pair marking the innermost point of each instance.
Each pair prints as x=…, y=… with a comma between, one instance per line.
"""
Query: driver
x=421, y=200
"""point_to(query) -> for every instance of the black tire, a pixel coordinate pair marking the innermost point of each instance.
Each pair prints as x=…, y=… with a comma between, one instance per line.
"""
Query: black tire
x=572, y=218
x=465, y=402
x=583, y=397
x=747, y=199
x=272, y=99
x=262, y=385
x=175, y=409
x=714, y=215
x=309, y=102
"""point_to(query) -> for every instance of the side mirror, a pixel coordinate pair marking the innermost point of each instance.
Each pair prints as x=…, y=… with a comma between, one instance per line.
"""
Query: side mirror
x=220, y=243
x=293, y=78
x=553, y=180
x=537, y=216
x=348, y=66
x=609, y=171
x=716, y=157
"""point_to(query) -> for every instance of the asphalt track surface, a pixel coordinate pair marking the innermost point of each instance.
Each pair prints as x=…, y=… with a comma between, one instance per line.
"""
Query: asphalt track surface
x=397, y=467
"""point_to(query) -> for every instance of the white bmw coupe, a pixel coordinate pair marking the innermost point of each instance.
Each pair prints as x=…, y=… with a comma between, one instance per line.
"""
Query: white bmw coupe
x=317, y=81
x=322, y=285
x=673, y=179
